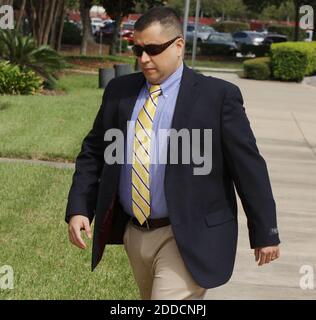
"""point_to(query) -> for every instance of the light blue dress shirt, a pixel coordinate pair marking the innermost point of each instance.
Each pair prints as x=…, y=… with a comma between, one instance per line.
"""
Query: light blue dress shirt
x=162, y=120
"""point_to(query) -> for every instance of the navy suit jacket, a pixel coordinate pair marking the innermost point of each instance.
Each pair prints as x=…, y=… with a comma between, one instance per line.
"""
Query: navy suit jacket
x=202, y=208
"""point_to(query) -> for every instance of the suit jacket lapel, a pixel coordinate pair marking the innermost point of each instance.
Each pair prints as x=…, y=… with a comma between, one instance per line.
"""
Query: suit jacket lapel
x=128, y=101
x=187, y=95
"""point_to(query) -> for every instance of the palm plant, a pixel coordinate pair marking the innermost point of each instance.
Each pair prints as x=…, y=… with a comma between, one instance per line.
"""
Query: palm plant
x=22, y=51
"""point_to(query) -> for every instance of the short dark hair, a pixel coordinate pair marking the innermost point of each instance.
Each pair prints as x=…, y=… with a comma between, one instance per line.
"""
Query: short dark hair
x=166, y=16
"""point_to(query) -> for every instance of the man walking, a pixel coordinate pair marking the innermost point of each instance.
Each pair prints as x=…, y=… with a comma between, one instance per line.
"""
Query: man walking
x=179, y=229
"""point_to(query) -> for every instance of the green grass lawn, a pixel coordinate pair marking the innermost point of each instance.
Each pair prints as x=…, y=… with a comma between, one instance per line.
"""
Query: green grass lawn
x=49, y=127
x=103, y=58
x=34, y=241
x=131, y=59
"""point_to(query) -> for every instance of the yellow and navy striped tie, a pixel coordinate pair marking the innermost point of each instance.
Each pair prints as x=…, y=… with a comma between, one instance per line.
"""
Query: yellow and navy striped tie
x=141, y=156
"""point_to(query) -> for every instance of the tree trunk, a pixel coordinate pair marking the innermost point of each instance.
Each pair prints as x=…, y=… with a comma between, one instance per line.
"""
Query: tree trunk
x=20, y=16
x=87, y=37
x=32, y=17
x=50, y=11
x=42, y=15
x=39, y=14
x=57, y=25
x=52, y=35
x=60, y=27
x=115, y=40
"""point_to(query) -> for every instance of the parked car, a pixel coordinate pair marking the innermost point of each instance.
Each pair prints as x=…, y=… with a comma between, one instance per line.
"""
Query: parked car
x=221, y=43
x=248, y=37
x=96, y=24
x=262, y=30
x=107, y=31
x=106, y=21
x=203, y=31
x=274, y=38
x=127, y=27
x=127, y=32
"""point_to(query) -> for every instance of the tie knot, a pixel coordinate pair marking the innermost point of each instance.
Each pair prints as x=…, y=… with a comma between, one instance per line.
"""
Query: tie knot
x=155, y=90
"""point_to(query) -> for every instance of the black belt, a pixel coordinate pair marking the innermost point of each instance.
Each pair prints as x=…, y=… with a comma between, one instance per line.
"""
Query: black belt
x=151, y=223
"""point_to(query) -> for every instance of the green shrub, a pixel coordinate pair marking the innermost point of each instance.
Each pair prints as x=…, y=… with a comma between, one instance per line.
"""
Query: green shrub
x=13, y=80
x=289, y=64
x=309, y=48
x=258, y=68
x=231, y=26
x=124, y=45
x=23, y=51
x=287, y=31
x=71, y=34
x=293, y=60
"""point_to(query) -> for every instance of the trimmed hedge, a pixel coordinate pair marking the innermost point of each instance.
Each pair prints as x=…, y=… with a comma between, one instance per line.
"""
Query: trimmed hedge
x=13, y=80
x=291, y=61
x=258, y=68
x=231, y=26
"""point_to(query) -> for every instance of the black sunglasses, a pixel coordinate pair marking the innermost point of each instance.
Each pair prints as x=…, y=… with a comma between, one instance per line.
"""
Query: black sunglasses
x=153, y=49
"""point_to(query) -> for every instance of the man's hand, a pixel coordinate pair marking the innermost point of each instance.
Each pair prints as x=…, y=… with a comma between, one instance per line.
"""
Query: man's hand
x=266, y=254
x=76, y=224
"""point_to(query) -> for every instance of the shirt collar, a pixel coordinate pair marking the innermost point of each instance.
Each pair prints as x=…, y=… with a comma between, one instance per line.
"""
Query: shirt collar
x=170, y=82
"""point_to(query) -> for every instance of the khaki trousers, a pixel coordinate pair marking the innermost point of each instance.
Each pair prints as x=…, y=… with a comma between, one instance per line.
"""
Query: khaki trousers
x=157, y=266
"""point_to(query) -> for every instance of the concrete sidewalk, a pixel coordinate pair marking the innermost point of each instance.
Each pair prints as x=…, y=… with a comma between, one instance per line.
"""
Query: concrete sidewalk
x=283, y=118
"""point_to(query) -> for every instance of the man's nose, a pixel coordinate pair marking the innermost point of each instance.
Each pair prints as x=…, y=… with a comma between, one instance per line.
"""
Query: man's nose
x=144, y=57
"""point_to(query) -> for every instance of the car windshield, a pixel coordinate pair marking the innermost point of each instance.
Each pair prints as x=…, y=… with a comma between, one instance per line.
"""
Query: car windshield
x=206, y=29
x=227, y=37
x=221, y=37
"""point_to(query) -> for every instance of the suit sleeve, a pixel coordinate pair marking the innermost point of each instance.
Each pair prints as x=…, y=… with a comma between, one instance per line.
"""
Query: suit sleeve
x=82, y=195
x=249, y=171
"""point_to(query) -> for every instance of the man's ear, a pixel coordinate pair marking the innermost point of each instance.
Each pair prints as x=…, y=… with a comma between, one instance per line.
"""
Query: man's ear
x=180, y=46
